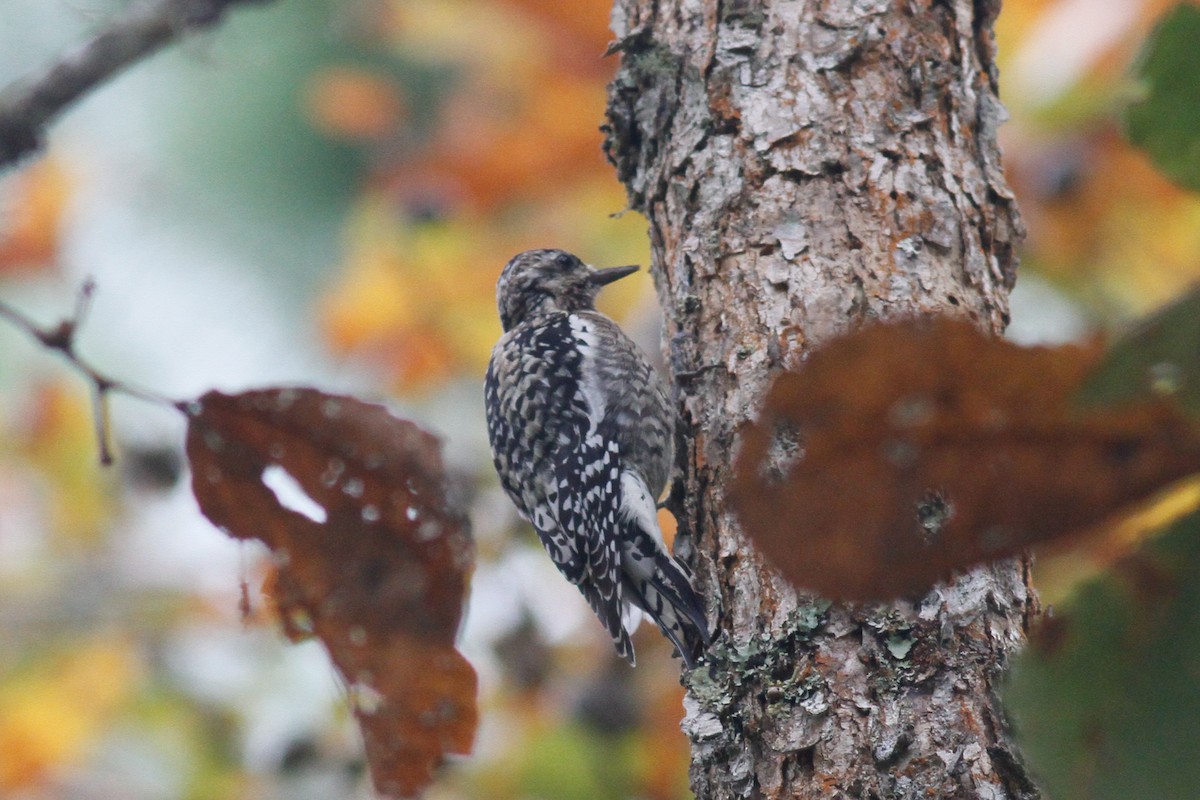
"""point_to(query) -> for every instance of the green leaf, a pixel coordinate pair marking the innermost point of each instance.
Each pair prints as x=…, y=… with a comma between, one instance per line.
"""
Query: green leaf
x=1166, y=121
x=1107, y=699
x=570, y=762
x=1161, y=357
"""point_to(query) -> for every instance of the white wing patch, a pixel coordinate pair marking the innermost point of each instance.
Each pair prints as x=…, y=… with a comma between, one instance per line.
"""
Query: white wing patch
x=638, y=507
x=631, y=617
x=589, y=384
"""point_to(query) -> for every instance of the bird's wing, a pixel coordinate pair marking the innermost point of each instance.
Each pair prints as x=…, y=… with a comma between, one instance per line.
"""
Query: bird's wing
x=588, y=501
x=636, y=410
x=534, y=410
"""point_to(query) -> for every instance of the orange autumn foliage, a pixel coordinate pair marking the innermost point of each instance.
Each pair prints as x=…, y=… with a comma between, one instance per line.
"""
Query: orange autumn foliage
x=31, y=217
x=351, y=103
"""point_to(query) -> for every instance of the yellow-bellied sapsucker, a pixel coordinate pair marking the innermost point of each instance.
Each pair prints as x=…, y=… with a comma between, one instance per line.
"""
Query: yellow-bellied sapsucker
x=582, y=437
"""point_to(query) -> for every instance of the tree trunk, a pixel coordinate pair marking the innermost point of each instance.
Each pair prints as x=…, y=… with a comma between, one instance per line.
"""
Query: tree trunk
x=806, y=167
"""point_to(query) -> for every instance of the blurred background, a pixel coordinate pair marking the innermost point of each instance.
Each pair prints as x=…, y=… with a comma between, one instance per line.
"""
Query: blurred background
x=322, y=192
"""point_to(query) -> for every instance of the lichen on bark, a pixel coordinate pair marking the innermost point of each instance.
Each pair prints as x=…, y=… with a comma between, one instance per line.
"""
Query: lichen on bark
x=806, y=167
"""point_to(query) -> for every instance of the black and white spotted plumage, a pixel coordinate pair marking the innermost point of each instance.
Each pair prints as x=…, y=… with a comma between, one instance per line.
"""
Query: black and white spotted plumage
x=581, y=431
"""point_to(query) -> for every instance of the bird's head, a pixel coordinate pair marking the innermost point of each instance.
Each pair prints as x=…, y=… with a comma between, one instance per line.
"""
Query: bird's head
x=541, y=281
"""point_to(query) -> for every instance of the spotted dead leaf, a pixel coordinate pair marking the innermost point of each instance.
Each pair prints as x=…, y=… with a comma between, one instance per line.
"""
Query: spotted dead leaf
x=370, y=556
x=905, y=451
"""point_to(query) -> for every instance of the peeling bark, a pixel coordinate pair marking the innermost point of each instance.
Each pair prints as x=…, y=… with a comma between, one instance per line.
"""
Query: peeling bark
x=806, y=167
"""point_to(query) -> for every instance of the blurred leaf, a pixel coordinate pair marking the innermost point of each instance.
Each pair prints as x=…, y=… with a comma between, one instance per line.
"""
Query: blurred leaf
x=417, y=291
x=1166, y=122
x=352, y=103
x=370, y=557
x=905, y=451
x=31, y=217
x=418, y=297
x=503, y=141
x=569, y=762
x=582, y=30
x=1058, y=574
x=151, y=467
x=1106, y=224
x=478, y=34
x=510, y=160
x=58, y=436
x=661, y=752
x=1106, y=700
x=51, y=712
x=1161, y=356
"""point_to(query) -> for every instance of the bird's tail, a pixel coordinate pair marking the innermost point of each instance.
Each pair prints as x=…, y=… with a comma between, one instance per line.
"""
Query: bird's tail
x=651, y=579
x=616, y=619
x=665, y=594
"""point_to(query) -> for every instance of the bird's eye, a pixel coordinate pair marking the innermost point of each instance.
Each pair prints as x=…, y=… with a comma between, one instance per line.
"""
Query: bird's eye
x=563, y=260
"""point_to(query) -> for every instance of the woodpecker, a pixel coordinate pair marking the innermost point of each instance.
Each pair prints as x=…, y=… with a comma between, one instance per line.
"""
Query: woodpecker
x=581, y=430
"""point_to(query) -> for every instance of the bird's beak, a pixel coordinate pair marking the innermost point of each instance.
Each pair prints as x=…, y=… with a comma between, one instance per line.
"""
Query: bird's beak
x=603, y=277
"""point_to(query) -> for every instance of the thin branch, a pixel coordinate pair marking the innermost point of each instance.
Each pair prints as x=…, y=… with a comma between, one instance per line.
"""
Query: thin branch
x=100, y=417
x=61, y=339
x=30, y=104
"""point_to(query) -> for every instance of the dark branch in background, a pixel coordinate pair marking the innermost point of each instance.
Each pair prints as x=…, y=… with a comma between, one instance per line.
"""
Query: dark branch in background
x=61, y=338
x=28, y=105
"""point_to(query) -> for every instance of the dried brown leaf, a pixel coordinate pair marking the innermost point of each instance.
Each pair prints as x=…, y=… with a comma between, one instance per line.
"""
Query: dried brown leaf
x=380, y=580
x=905, y=451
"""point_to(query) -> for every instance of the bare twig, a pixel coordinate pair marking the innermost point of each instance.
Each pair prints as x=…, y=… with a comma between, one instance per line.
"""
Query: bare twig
x=29, y=105
x=61, y=338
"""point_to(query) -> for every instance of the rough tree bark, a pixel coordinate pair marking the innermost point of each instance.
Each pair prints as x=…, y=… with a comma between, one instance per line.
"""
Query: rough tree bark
x=806, y=166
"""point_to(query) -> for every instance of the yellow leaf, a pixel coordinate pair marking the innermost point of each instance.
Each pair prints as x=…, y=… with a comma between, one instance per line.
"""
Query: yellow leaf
x=50, y=714
x=58, y=437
